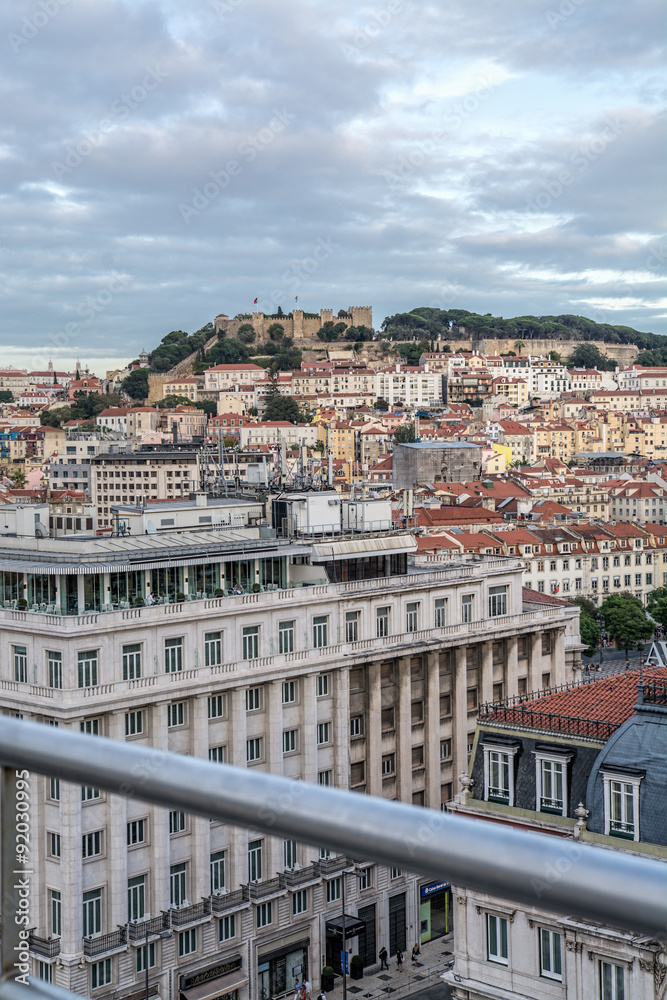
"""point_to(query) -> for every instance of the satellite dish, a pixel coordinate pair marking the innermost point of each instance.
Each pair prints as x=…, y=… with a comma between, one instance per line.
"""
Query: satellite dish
x=150, y=527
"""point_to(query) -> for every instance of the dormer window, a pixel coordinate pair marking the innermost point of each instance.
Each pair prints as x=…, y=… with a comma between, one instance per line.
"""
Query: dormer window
x=499, y=772
x=621, y=802
x=551, y=781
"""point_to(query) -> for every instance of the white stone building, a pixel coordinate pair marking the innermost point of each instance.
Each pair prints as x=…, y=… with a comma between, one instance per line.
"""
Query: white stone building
x=343, y=663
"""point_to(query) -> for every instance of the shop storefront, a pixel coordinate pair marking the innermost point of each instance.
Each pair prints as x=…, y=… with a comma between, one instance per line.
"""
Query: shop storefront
x=435, y=910
x=278, y=970
x=334, y=940
x=223, y=980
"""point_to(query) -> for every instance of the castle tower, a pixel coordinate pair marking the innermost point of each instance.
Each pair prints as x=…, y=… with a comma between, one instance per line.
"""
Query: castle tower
x=361, y=315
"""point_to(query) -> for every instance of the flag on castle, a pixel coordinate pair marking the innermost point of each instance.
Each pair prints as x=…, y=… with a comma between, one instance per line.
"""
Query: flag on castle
x=254, y=302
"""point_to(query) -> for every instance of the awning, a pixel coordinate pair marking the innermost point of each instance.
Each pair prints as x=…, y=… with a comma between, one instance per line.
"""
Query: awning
x=353, y=926
x=357, y=548
x=216, y=987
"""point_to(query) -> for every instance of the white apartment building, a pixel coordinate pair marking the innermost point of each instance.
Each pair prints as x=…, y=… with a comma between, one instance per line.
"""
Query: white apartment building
x=548, y=379
x=69, y=468
x=127, y=477
x=276, y=432
x=346, y=663
x=409, y=385
x=222, y=377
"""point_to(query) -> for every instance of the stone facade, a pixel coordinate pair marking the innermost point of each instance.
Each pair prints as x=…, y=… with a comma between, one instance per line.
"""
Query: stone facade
x=297, y=324
x=440, y=462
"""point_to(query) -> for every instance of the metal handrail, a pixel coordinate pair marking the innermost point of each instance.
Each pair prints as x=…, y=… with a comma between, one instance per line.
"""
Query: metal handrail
x=569, y=877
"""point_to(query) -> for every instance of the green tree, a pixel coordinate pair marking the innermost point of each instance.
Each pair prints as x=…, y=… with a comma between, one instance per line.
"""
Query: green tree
x=589, y=356
x=136, y=384
x=276, y=331
x=404, y=434
x=555, y=356
x=208, y=406
x=246, y=333
x=229, y=351
x=283, y=408
x=590, y=632
x=624, y=618
x=656, y=605
x=6, y=396
x=18, y=479
x=519, y=344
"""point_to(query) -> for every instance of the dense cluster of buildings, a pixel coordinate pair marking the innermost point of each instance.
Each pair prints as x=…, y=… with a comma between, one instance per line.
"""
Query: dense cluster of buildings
x=376, y=598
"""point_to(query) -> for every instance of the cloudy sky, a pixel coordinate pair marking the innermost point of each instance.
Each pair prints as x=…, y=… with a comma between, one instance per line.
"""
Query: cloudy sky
x=162, y=162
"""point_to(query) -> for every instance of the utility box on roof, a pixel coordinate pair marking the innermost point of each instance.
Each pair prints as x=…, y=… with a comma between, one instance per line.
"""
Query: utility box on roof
x=307, y=513
x=367, y=515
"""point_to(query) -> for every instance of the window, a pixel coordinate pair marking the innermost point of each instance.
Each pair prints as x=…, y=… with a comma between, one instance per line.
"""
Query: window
x=100, y=973
x=21, y=664
x=621, y=804
x=498, y=767
x=289, y=740
x=176, y=714
x=445, y=749
x=177, y=876
x=218, y=754
x=551, y=781
x=299, y=902
x=91, y=844
x=227, y=927
x=445, y=706
x=418, y=798
x=440, y=615
x=55, y=908
x=388, y=765
x=365, y=879
x=264, y=915
x=92, y=912
x=136, y=832
x=173, y=655
x=324, y=778
x=357, y=773
x=286, y=639
x=323, y=733
x=55, y=668
x=467, y=608
x=356, y=726
x=253, y=699
x=322, y=685
x=187, y=942
x=471, y=699
x=131, y=657
x=412, y=617
x=53, y=845
x=550, y=955
x=87, y=668
x=325, y=853
x=417, y=757
x=387, y=720
x=612, y=981
x=382, y=622
x=289, y=692
x=254, y=860
x=333, y=890
x=134, y=723
x=351, y=626
x=320, y=623
x=496, y=939
x=497, y=601
x=386, y=674
x=141, y=957
x=217, y=868
x=638, y=579
x=54, y=789
x=289, y=855
x=217, y=706
x=250, y=642
x=88, y=793
x=254, y=749
x=45, y=972
x=212, y=649
x=177, y=821
x=136, y=897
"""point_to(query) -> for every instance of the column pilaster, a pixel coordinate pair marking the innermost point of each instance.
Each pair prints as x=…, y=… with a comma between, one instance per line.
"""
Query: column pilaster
x=404, y=732
x=373, y=731
x=432, y=741
x=460, y=713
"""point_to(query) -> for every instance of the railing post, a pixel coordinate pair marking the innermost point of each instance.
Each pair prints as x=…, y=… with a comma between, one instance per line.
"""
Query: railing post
x=15, y=883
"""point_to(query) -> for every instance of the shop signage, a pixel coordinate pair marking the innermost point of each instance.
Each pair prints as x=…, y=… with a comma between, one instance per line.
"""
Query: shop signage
x=187, y=982
x=428, y=890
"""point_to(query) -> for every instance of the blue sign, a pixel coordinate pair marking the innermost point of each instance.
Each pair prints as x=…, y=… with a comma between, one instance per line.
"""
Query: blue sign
x=428, y=890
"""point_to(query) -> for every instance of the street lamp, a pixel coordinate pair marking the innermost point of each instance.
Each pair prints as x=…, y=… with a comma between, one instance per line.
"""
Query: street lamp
x=357, y=871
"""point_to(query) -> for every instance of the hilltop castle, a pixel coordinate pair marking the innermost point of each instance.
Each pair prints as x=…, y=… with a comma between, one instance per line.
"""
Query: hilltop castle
x=299, y=325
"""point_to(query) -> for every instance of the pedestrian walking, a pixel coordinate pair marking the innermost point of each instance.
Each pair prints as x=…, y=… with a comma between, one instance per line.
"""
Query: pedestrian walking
x=399, y=960
x=306, y=986
x=297, y=990
x=383, y=959
x=415, y=955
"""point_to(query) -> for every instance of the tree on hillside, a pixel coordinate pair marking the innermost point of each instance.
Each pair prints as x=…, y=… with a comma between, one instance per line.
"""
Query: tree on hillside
x=86, y=407
x=18, y=479
x=136, y=384
x=6, y=396
x=625, y=620
x=589, y=356
x=404, y=434
x=276, y=331
x=246, y=333
x=229, y=351
x=283, y=408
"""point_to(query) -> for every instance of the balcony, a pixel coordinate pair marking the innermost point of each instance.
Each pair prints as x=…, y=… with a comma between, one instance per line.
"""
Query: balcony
x=223, y=901
x=295, y=877
x=193, y=914
x=138, y=929
x=105, y=944
x=44, y=947
x=331, y=866
x=265, y=890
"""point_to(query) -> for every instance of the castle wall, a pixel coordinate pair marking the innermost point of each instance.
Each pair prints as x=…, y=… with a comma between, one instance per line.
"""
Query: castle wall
x=624, y=354
x=298, y=326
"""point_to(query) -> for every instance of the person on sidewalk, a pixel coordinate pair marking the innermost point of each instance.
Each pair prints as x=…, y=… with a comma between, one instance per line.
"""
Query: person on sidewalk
x=415, y=955
x=306, y=987
x=399, y=960
x=383, y=959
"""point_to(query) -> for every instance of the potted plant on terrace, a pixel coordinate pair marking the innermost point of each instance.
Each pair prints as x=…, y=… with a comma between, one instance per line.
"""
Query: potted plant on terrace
x=327, y=979
x=356, y=967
